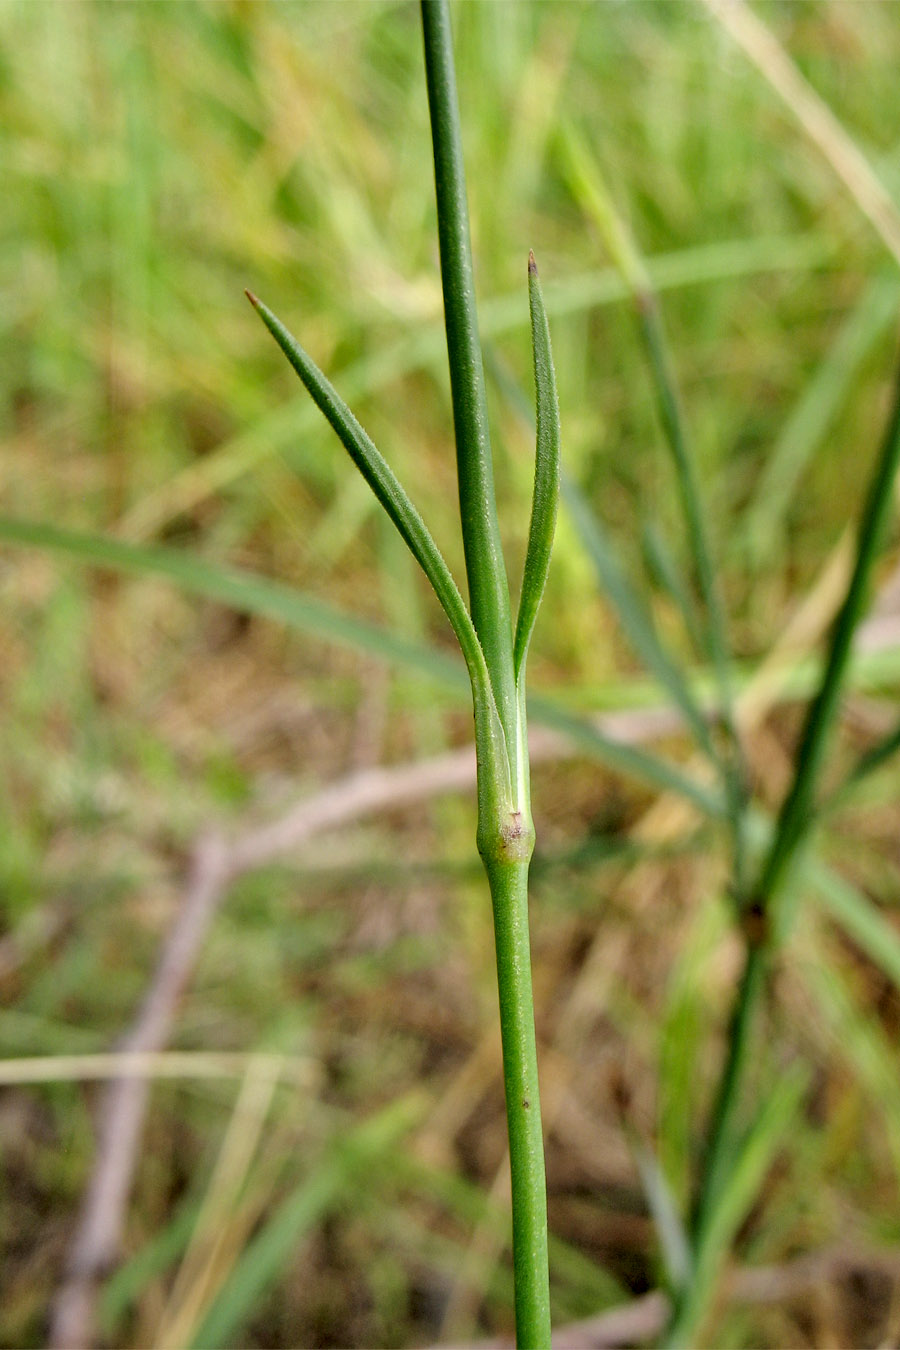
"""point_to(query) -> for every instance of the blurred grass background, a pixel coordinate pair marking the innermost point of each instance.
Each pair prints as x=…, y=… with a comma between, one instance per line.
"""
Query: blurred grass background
x=157, y=159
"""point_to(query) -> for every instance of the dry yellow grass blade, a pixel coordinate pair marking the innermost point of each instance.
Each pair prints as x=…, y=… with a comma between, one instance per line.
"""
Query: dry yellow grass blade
x=814, y=115
x=164, y=1064
x=203, y=1269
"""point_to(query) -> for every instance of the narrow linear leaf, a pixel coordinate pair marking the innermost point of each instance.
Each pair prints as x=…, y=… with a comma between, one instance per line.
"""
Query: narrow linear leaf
x=737, y=1194
x=589, y=188
x=385, y=485
x=546, y=474
x=491, y=740
x=245, y=591
x=674, y=1243
x=816, y=409
x=253, y=594
x=741, y=1187
x=627, y=759
x=634, y=617
x=860, y=919
x=665, y=574
x=868, y=763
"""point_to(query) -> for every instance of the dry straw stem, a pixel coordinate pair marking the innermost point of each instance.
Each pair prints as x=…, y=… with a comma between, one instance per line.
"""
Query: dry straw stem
x=814, y=115
x=218, y=1233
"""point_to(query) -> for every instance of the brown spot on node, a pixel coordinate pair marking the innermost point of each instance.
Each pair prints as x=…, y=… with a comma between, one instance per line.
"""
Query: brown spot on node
x=526, y=1104
x=755, y=924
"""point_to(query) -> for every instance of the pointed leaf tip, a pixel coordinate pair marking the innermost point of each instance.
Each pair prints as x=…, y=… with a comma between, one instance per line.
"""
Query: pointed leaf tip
x=546, y=475
x=252, y=298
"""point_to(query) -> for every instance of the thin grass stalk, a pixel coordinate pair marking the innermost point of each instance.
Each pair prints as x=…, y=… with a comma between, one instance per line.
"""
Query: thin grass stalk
x=691, y=1306
x=796, y=813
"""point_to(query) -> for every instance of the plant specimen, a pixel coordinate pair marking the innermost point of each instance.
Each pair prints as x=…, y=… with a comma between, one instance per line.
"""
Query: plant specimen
x=769, y=861
x=494, y=652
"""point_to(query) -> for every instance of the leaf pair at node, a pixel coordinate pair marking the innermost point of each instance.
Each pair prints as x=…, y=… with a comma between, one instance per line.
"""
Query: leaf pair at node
x=490, y=734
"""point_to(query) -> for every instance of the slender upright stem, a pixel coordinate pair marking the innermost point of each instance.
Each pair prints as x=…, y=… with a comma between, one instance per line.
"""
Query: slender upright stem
x=796, y=812
x=721, y=1133
x=509, y=893
x=505, y=831
x=485, y=568
x=762, y=909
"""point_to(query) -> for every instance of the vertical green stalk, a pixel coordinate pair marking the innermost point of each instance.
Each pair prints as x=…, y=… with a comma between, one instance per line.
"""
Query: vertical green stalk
x=762, y=914
x=485, y=568
x=509, y=894
x=495, y=661
x=721, y=1149
x=505, y=830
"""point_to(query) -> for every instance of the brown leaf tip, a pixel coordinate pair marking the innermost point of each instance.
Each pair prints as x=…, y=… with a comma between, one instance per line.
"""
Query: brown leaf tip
x=532, y=265
x=252, y=298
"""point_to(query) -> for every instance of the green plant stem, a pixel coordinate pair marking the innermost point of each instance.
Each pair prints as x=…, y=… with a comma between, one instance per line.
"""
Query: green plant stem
x=505, y=831
x=485, y=568
x=721, y=1135
x=509, y=894
x=796, y=813
x=691, y=1306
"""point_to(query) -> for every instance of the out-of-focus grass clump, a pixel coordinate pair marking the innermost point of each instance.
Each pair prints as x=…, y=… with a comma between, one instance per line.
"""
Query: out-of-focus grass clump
x=157, y=159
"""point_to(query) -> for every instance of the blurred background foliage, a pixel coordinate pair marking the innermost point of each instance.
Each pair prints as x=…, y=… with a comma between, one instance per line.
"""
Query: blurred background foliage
x=157, y=159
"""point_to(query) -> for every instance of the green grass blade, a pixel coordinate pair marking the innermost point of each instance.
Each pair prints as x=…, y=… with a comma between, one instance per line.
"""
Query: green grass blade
x=681, y=1042
x=150, y=1262
x=665, y=574
x=868, y=763
x=738, y=1192
x=859, y=918
x=626, y=759
x=635, y=618
x=858, y=1038
x=244, y=591
x=385, y=485
x=592, y=193
x=674, y=1243
x=691, y=502
x=253, y=594
x=546, y=474
x=819, y=404
x=363, y=1153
